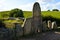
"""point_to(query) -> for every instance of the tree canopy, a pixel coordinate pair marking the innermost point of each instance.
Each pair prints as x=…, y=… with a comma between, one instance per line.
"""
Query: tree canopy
x=55, y=10
x=16, y=13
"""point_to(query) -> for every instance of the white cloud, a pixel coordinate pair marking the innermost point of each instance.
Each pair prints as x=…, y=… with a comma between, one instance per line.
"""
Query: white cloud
x=45, y=5
x=29, y=6
x=1, y=1
x=1, y=4
x=26, y=7
x=48, y=4
x=45, y=0
x=4, y=5
x=55, y=6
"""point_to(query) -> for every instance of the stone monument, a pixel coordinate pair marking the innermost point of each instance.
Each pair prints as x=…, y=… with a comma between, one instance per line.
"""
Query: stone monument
x=49, y=25
x=54, y=25
x=37, y=19
x=45, y=28
x=27, y=26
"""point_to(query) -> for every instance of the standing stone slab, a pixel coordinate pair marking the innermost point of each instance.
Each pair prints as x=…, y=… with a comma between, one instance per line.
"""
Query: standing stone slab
x=37, y=19
x=54, y=25
x=49, y=25
x=18, y=30
x=45, y=28
x=27, y=26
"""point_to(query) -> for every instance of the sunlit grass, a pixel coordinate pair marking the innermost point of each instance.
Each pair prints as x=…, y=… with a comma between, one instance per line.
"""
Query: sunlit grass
x=54, y=14
x=10, y=23
x=28, y=14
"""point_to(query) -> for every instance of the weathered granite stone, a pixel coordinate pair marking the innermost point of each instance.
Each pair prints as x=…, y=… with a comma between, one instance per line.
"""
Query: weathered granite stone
x=49, y=25
x=54, y=25
x=18, y=30
x=11, y=18
x=37, y=19
x=27, y=26
x=45, y=28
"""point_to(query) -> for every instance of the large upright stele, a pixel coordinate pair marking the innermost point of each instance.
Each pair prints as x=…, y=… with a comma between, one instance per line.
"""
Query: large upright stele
x=37, y=18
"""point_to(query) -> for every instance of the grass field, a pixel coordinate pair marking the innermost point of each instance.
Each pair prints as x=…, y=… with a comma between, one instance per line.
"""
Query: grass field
x=53, y=14
x=4, y=14
x=28, y=14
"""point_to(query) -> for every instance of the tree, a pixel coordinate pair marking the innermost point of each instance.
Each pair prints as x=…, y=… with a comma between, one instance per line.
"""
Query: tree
x=55, y=10
x=16, y=13
x=48, y=10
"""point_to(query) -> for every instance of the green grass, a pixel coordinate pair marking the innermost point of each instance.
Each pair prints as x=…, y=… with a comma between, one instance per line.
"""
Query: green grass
x=28, y=14
x=54, y=14
x=10, y=23
x=4, y=14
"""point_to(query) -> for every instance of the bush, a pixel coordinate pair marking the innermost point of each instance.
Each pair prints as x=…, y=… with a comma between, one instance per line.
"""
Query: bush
x=55, y=10
x=48, y=10
x=16, y=13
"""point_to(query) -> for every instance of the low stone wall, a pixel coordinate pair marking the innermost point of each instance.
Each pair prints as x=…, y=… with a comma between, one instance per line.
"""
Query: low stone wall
x=6, y=34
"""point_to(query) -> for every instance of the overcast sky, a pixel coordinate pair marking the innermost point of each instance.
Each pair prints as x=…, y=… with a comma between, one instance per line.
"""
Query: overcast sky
x=27, y=5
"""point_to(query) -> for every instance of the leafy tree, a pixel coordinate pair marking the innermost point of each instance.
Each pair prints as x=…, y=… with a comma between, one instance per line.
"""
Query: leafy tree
x=48, y=10
x=16, y=13
x=55, y=10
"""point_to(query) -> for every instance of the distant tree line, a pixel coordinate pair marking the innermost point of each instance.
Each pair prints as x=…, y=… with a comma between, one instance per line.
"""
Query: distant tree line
x=54, y=10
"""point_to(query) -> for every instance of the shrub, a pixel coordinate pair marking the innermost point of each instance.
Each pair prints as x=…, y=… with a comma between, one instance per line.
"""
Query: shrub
x=55, y=10
x=16, y=13
x=48, y=10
